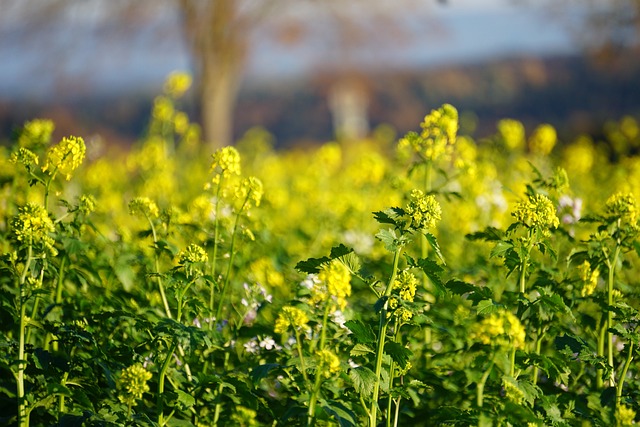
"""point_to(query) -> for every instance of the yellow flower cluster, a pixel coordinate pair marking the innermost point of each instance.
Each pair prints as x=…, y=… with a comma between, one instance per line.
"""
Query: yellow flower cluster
x=36, y=133
x=32, y=226
x=512, y=133
x=133, y=384
x=424, y=211
x=65, y=157
x=193, y=254
x=328, y=363
x=623, y=206
x=406, y=283
x=24, y=156
x=291, y=317
x=625, y=416
x=177, y=84
x=589, y=278
x=439, y=130
x=250, y=189
x=543, y=140
x=334, y=284
x=86, y=204
x=501, y=329
x=144, y=206
x=537, y=212
x=244, y=417
x=226, y=161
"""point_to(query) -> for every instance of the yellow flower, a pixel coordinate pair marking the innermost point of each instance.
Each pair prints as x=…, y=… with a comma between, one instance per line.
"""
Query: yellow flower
x=439, y=131
x=291, y=317
x=424, y=211
x=177, y=84
x=144, y=206
x=625, y=416
x=623, y=207
x=32, y=226
x=226, y=161
x=502, y=328
x=589, y=278
x=86, y=204
x=65, y=157
x=36, y=133
x=537, y=212
x=250, y=189
x=512, y=132
x=334, y=284
x=328, y=363
x=406, y=283
x=132, y=384
x=25, y=156
x=543, y=139
x=193, y=254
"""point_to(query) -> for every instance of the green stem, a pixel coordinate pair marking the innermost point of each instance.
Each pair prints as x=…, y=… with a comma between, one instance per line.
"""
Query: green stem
x=301, y=356
x=225, y=285
x=216, y=236
x=623, y=374
x=481, y=384
x=23, y=416
x=611, y=264
x=601, y=344
x=537, y=352
x=382, y=332
x=165, y=302
x=161, y=377
x=316, y=388
x=218, y=410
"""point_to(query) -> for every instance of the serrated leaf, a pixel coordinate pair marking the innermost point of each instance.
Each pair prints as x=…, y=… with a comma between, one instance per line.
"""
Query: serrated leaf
x=432, y=269
x=389, y=239
x=360, y=350
x=345, y=416
x=262, y=371
x=386, y=217
x=501, y=248
x=340, y=250
x=185, y=399
x=459, y=287
x=363, y=380
x=398, y=353
x=311, y=265
x=488, y=307
x=489, y=234
x=433, y=242
x=361, y=332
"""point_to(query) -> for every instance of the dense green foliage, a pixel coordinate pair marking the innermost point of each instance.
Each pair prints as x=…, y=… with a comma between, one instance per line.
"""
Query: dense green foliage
x=434, y=280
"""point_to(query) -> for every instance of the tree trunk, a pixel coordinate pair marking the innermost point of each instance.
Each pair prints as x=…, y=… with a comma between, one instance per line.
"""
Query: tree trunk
x=218, y=40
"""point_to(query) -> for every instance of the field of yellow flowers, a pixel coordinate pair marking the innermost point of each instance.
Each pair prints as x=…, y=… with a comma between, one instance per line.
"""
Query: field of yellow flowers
x=428, y=280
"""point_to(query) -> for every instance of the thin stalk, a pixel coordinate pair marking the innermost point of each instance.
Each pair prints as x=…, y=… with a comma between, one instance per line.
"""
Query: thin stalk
x=165, y=302
x=225, y=285
x=34, y=308
x=161, y=377
x=481, y=384
x=382, y=332
x=537, y=352
x=316, y=387
x=23, y=416
x=391, y=373
x=218, y=410
x=623, y=374
x=611, y=264
x=601, y=344
x=216, y=236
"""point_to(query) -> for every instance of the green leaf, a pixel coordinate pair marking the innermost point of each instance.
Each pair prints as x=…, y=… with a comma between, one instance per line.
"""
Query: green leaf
x=488, y=307
x=312, y=265
x=501, y=248
x=433, y=242
x=339, y=251
x=363, y=380
x=490, y=234
x=262, y=371
x=432, y=269
x=398, y=353
x=344, y=416
x=391, y=240
x=361, y=332
x=388, y=216
x=360, y=350
x=185, y=399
